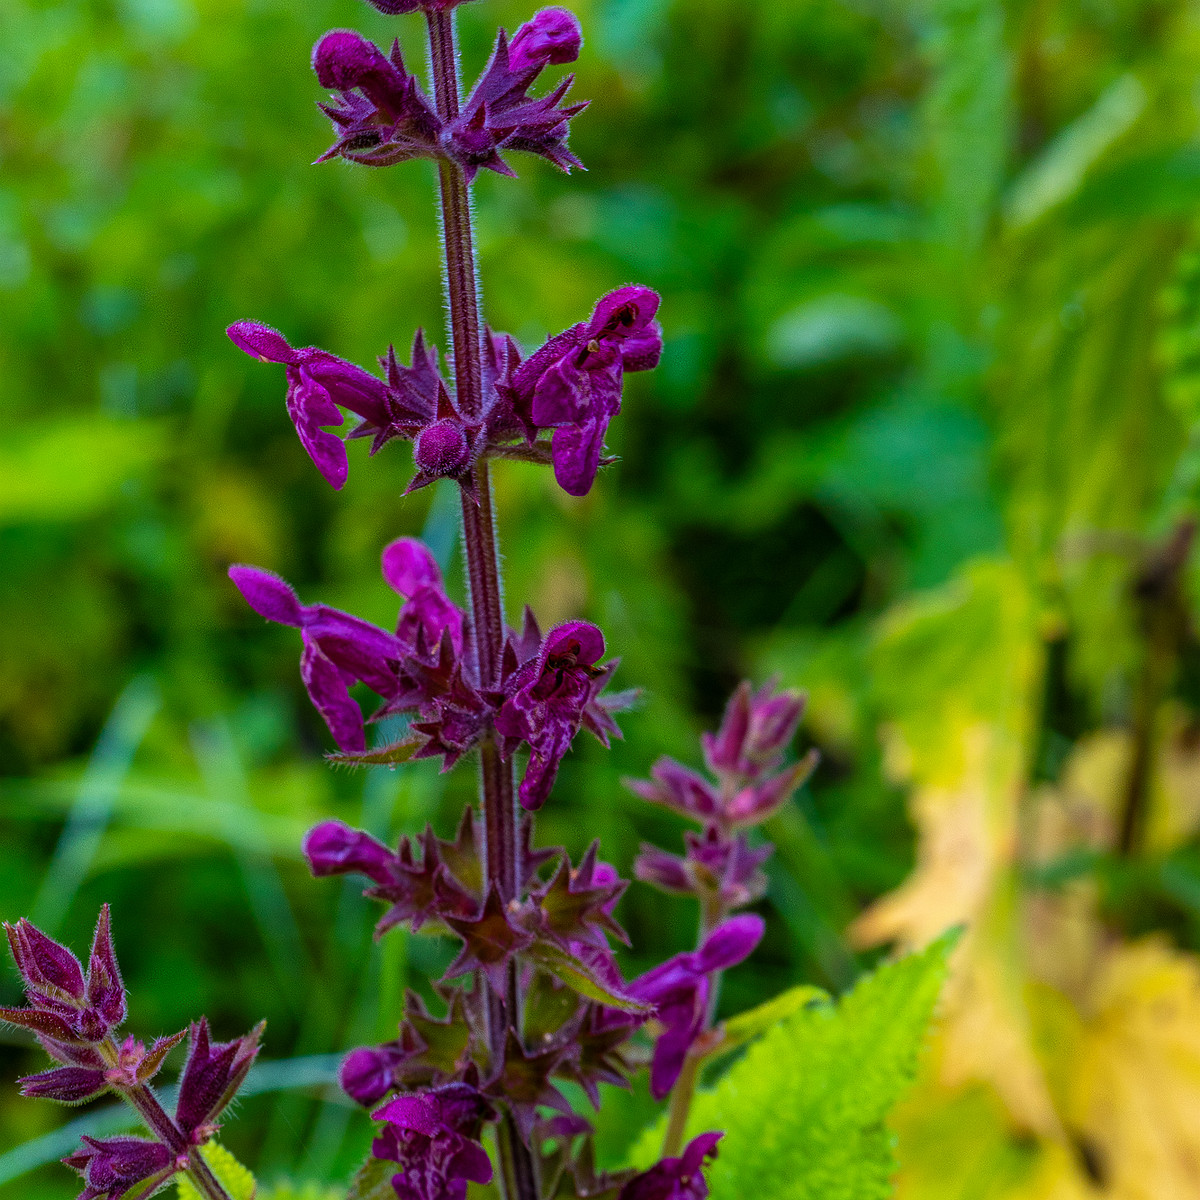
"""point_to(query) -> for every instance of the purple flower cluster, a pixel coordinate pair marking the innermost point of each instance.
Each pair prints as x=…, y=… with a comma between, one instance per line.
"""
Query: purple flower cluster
x=720, y=867
x=549, y=687
x=382, y=116
x=571, y=386
x=75, y=1016
x=535, y=998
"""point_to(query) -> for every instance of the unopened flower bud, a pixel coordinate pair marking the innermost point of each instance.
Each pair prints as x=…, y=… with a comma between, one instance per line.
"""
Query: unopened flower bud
x=551, y=36
x=441, y=449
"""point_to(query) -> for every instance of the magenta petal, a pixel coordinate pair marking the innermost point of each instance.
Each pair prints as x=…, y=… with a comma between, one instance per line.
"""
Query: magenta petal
x=576, y=453
x=582, y=640
x=310, y=406
x=333, y=848
x=471, y=1162
x=562, y=395
x=268, y=595
x=626, y=310
x=408, y=566
x=418, y=1113
x=328, y=688
x=730, y=943
x=261, y=342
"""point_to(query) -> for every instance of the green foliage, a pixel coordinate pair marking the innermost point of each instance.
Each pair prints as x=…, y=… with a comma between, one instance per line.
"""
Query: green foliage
x=804, y=1111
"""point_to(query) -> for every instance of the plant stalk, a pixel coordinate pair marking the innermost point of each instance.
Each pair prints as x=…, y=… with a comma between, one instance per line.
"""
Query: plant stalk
x=518, y=1172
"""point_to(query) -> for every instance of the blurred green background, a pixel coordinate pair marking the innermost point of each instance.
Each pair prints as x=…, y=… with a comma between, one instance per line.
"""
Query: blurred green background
x=930, y=291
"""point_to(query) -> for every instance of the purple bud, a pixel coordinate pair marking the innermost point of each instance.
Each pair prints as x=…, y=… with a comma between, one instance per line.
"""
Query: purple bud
x=105, y=991
x=441, y=449
x=409, y=566
x=366, y=1074
x=212, y=1074
x=335, y=849
x=551, y=36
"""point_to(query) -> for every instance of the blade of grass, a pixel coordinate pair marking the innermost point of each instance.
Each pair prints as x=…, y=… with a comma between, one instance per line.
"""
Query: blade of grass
x=92, y=809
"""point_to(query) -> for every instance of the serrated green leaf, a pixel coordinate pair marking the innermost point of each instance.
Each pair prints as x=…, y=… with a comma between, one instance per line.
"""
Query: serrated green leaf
x=755, y=1021
x=576, y=975
x=803, y=1112
x=236, y=1179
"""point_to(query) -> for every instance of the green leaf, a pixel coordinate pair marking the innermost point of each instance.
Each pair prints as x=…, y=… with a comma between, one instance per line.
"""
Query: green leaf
x=803, y=1112
x=373, y=1181
x=234, y=1178
x=576, y=975
x=748, y=1025
x=384, y=756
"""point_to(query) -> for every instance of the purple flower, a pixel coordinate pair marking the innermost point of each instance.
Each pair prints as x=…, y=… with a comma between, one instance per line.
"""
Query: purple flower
x=746, y=756
x=679, y=1178
x=411, y=571
x=339, y=650
x=67, y=1009
x=680, y=989
x=111, y=1167
x=381, y=115
x=755, y=731
x=547, y=698
x=211, y=1076
x=499, y=114
x=727, y=869
x=573, y=383
x=318, y=382
x=434, y=1136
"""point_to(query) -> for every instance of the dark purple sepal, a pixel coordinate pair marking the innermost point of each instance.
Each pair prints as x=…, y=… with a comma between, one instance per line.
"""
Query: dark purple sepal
x=45, y=966
x=211, y=1076
x=490, y=940
x=679, y=1178
x=523, y=1081
x=67, y=1085
x=105, y=992
x=499, y=114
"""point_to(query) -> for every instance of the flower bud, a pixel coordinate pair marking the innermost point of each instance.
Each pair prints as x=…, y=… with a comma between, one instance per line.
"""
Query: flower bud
x=551, y=36
x=441, y=449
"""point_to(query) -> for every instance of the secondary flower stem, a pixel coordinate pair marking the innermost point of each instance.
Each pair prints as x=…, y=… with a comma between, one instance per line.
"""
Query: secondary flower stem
x=483, y=564
x=680, y=1106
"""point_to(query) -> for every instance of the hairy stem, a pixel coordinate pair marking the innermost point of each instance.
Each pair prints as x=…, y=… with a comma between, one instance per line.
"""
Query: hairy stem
x=518, y=1174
